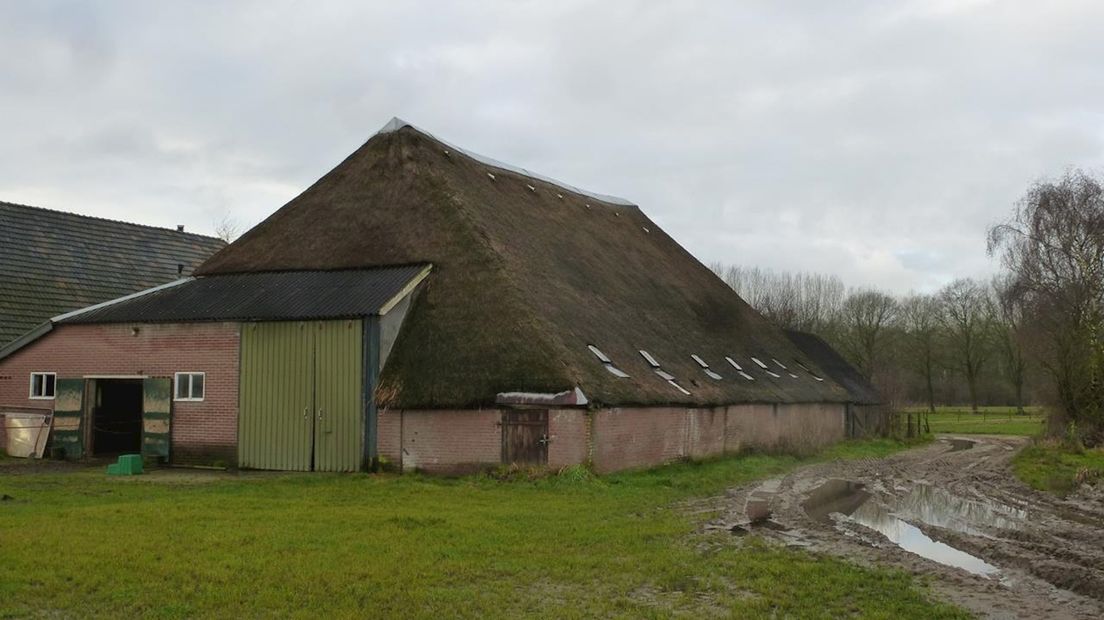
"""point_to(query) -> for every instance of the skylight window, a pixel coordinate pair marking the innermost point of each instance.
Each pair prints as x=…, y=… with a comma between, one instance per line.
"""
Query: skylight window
x=747, y=376
x=780, y=364
x=648, y=358
x=666, y=376
x=598, y=353
x=617, y=372
x=713, y=375
x=810, y=371
x=734, y=364
x=607, y=363
x=531, y=188
x=490, y=176
x=759, y=363
x=679, y=387
x=700, y=361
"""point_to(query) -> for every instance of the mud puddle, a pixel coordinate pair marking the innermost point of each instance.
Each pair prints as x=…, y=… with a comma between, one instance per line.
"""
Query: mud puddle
x=950, y=511
x=854, y=504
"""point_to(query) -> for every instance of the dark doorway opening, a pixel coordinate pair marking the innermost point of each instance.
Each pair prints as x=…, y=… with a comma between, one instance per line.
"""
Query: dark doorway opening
x=117, y=417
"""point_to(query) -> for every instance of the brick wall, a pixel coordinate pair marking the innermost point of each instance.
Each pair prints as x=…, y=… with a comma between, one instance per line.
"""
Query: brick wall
x=627, y=438
x=450, y=441
x=202, y=432
x=569, y=437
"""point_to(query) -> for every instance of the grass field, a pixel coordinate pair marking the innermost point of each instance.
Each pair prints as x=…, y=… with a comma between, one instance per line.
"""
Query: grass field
x=1054, y=467
x=988, y=421
x=186, y=544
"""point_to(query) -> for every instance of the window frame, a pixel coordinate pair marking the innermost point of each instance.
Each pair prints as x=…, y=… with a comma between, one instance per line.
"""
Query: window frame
x=189, y=398
x=30, y=386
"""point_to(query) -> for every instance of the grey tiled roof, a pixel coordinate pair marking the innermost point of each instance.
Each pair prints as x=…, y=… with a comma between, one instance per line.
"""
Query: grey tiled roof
x=268, y=296
x=53, y=262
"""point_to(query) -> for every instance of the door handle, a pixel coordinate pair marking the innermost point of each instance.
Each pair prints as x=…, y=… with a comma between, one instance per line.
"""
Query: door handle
x=319, y=413
x=306, y=412
x=544, y=440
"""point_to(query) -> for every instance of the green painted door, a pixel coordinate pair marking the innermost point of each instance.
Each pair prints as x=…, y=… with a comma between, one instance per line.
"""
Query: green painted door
x=337, y=378
x=68, y=414
x=300, y=396
x=275, y=428
x=156, y=407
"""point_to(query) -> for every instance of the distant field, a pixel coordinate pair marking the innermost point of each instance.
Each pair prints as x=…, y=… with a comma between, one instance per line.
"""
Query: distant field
x=988, y=420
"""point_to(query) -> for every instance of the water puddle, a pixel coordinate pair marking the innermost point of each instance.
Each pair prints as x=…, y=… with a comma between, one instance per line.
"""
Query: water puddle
x=958, y=445
x=852, y=501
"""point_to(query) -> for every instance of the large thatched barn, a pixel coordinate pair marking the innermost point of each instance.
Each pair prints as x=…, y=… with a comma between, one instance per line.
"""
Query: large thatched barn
x=439, y=311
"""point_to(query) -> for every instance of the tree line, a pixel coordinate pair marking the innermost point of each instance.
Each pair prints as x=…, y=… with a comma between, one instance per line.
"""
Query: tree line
x=1033, y=334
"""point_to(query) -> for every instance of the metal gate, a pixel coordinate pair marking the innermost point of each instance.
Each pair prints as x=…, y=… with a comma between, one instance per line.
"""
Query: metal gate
x=525, y=437
x=300, y=396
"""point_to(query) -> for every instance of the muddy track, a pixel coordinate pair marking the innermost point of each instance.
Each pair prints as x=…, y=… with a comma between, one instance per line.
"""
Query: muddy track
x=951, y=511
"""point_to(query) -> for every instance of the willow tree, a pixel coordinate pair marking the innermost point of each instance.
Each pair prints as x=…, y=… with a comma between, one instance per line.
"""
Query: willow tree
x=1053, y=246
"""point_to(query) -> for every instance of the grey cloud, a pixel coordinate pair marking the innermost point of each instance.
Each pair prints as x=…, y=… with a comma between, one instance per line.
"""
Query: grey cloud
x=875, y=140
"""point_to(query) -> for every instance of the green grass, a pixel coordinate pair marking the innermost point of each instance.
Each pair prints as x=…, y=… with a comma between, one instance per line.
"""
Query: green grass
x=181, y=544
x=1054, y=467
x=988, y=421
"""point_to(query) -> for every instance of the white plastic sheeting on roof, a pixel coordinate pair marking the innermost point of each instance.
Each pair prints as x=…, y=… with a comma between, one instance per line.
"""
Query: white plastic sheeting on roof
x=397, y=123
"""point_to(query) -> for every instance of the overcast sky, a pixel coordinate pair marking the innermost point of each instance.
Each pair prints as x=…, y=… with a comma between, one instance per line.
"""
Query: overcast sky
x=874, y=140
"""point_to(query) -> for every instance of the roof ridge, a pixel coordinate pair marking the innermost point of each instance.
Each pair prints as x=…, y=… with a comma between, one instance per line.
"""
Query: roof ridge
x=397, y=123
x=105, y=219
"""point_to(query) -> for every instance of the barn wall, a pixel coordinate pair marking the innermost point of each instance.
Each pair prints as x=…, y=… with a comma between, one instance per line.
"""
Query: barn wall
x=611, y=439
x=202, y=432
x=627, y=438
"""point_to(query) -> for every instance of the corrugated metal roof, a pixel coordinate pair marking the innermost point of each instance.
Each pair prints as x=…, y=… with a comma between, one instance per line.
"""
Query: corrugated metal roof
x=270, y=296
x=53, y=262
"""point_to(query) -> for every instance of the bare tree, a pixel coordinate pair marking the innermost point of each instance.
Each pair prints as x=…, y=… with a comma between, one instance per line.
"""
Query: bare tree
x=921, y=323
x=966, y=320
x=863, y=329
x=1006, y=311
x=1053, y=246
x=805, y=301
x=227, y=228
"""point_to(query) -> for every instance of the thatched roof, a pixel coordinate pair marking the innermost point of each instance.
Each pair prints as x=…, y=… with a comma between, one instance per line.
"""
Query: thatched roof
x=859, y=389
x=526, y=274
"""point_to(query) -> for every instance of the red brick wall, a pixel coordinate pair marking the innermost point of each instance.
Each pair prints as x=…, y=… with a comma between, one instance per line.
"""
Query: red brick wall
x=449, y=442
x=202, y=432
x=569, y=437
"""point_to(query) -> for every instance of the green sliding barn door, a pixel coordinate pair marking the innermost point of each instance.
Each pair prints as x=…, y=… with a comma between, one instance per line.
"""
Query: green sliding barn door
x=337, y=404
x=300, y=396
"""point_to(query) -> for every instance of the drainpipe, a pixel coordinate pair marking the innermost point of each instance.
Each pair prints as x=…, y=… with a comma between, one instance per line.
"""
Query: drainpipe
x=370, y=436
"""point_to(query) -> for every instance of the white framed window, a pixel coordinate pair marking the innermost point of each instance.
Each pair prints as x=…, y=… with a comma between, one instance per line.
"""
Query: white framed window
x=43, y=385
x=189, y=386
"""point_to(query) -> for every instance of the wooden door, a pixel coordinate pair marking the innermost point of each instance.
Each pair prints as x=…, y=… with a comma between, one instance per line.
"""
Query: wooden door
x=338, y=426
x=525, y=437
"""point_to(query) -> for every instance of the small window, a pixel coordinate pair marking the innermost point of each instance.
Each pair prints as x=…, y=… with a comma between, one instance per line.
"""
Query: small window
x=597, y=353
x=780, y=364
x=666, y=376
x=809, y=370
x=648, y=358
x=712, y=375
x=617, y=372
x=734, y=364
x=700, y=361
x=747, y=376
x=189, y=385
x=679, y=388
x=43, y=385
x=759, y=363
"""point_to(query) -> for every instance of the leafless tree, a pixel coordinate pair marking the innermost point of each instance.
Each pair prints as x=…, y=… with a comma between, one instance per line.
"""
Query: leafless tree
x=1006, y=311
x=1053, y=246
x=920, y=324
x=863, y=329
x=804, y=301
x=227, y=228
x=965, y=318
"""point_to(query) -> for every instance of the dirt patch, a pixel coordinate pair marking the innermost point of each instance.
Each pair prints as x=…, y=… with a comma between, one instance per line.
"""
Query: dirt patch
x=951, y=511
